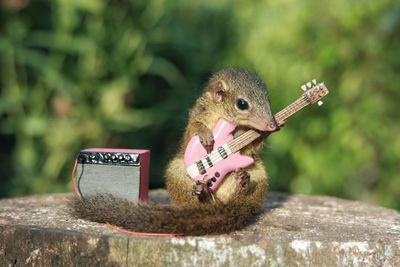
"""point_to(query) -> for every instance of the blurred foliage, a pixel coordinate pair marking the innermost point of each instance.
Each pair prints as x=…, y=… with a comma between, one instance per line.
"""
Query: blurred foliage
x=123, y=73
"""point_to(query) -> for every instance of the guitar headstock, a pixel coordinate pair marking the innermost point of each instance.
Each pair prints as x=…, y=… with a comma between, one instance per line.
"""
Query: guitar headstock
x=314, y=92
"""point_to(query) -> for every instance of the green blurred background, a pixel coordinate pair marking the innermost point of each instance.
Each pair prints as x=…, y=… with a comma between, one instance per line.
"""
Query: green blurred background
x=123, y=73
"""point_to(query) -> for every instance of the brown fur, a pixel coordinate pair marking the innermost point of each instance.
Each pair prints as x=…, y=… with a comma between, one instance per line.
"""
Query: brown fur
x=186, y=214
x=199, y=219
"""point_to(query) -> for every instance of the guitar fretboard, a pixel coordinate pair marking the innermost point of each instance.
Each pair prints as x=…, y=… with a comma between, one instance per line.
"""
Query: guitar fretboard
x=300, y=103
x=251, y=135
x=201, y=166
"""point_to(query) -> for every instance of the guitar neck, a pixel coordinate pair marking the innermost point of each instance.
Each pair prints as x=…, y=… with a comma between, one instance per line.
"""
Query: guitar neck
x=297, y=105
x=280, y=117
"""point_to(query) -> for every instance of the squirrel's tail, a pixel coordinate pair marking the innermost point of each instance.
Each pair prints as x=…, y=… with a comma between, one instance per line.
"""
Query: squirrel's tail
x=209, y=218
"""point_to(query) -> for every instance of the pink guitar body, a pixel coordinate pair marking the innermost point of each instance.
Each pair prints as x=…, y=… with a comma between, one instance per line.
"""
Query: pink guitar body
x=219, y=162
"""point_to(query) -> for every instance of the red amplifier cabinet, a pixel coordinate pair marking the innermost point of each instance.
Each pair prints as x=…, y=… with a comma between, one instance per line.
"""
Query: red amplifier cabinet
x=123, y=173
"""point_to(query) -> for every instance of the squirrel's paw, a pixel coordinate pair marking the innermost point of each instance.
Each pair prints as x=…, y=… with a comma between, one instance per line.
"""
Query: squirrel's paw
x=206, y=139
x=242, y=182
x=201, y=189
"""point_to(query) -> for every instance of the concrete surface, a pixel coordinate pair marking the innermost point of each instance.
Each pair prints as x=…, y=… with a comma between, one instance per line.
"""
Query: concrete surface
x=293, y=230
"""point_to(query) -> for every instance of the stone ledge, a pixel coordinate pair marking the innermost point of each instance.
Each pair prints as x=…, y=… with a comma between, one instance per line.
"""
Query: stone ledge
x=293, y=230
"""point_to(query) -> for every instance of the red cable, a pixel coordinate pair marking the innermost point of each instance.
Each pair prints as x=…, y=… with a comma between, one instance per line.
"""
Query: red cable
x=73, y=179
x=139, y=233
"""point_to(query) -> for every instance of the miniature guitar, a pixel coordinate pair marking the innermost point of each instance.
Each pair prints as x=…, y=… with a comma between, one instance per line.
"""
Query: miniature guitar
x=226, y=157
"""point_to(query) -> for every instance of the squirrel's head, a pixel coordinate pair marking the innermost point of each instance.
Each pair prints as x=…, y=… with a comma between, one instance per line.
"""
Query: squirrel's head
x=244, y=98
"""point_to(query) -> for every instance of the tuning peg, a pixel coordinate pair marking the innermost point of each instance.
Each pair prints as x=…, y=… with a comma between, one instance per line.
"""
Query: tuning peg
x=309, y=85
x=320, y=103
x=314, y=81
x=304, y=87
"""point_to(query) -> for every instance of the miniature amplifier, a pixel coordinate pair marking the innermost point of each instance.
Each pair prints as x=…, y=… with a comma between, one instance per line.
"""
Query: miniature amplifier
x=123, y=173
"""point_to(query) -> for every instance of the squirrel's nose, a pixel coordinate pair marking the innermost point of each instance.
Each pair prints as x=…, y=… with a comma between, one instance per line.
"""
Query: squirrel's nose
x=271, y=126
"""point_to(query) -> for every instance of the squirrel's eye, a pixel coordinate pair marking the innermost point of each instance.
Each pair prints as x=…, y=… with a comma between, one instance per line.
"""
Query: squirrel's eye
x=242, y=104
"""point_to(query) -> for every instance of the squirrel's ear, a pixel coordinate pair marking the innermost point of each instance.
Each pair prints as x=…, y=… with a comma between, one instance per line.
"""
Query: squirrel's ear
x=218, y=90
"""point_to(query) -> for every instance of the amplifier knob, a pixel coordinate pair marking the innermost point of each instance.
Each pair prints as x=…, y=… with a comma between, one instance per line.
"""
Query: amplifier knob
x=101, y=157
x=82, y=158
x=127, y=157
x=114, y=158
x=121, y=158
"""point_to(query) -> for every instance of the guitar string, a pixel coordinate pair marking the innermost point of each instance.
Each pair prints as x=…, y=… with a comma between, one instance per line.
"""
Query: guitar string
x=215, y=157
x=294, y=107
x=298, y=104
x=236, y=144
x=233, y=144
x=241, y=141
x=244, y=138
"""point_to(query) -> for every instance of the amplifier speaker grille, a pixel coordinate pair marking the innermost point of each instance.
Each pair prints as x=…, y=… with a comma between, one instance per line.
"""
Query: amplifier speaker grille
x=120, y=172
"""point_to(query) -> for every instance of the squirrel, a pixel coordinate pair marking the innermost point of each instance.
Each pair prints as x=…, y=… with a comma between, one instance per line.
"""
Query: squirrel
x=238, y=96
